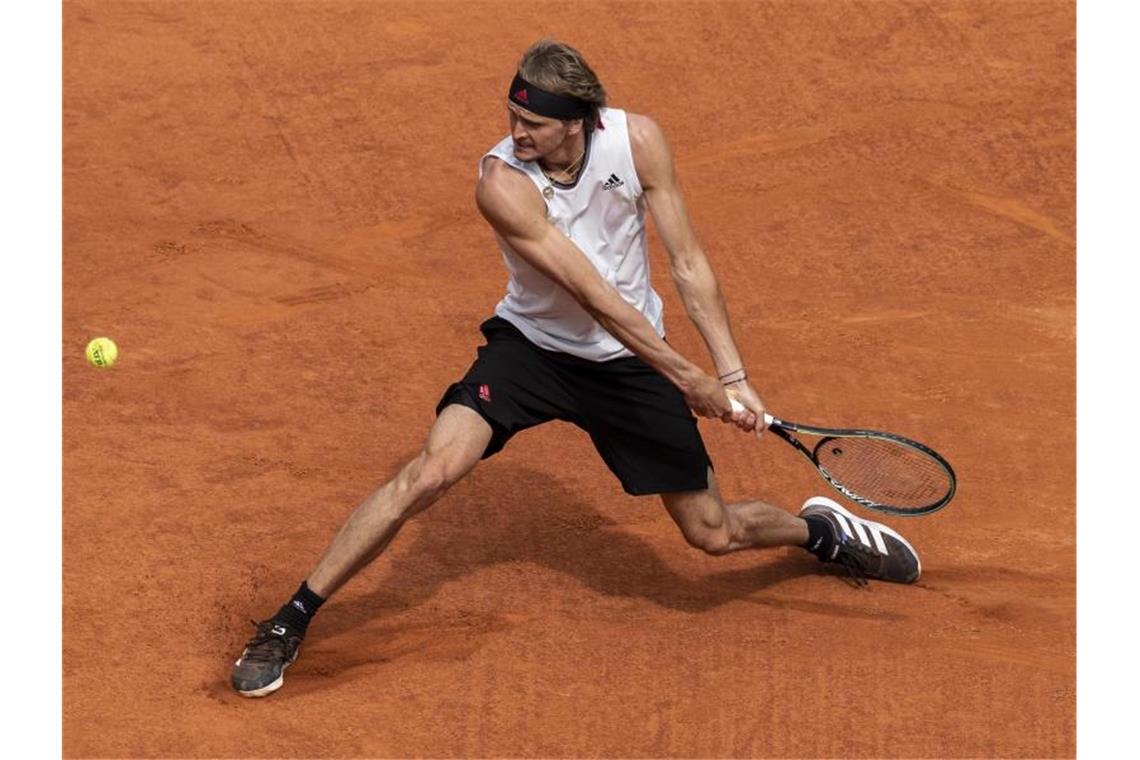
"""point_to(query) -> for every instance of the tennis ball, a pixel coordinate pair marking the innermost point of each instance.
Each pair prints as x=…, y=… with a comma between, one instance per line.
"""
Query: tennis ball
x=102, y=352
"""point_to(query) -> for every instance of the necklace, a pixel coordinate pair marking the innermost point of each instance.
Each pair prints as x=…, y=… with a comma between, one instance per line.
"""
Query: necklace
x=570, y=171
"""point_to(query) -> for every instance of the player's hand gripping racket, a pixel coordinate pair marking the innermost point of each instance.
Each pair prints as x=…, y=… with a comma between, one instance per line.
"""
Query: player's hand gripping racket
x=880, y=471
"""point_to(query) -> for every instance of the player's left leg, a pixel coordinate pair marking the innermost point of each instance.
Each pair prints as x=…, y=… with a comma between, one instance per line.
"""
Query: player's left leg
x=718, y=528
x=867, y=549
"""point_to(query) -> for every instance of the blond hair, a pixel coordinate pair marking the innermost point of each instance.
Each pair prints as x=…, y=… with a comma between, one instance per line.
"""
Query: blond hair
x=560, y=69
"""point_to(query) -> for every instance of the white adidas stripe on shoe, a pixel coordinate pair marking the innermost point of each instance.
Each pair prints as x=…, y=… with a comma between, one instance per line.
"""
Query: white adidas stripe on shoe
x=867, y=532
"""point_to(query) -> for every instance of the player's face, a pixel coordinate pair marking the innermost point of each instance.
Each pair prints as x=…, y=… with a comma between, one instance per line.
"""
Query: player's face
x=534, y=136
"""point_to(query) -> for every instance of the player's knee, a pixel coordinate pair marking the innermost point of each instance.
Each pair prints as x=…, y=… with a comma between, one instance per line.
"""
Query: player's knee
x=431, y=477
x=710, y=529
x=714, y=541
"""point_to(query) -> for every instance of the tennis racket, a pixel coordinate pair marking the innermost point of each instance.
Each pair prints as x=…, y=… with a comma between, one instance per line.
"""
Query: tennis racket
x=880, y=471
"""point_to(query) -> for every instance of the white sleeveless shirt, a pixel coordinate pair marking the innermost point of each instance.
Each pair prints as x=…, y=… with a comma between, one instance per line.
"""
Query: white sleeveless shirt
x=603, y=214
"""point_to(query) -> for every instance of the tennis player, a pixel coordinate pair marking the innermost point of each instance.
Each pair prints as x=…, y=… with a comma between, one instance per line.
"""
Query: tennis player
x=579, y=337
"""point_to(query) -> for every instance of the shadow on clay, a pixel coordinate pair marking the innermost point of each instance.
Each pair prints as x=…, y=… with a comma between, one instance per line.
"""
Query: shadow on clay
x=538, y=520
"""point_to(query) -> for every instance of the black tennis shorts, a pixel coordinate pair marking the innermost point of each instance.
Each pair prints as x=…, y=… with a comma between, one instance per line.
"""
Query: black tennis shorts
x=639, y=421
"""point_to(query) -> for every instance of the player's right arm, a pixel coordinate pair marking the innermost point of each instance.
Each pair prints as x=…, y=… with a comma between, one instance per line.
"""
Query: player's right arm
x=511, y=204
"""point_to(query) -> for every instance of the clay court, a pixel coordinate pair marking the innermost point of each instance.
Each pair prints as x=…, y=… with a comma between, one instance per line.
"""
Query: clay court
x=270, y=208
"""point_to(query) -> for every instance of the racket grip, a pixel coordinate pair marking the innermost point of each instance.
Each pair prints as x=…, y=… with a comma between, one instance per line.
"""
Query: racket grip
x=738, y=407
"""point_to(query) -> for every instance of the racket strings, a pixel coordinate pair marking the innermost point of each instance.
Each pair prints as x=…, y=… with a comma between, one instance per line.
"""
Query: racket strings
x=884, y=471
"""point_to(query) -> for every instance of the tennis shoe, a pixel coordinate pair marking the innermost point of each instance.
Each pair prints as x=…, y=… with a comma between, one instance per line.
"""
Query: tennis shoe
x=866, y=548
x=260, y=670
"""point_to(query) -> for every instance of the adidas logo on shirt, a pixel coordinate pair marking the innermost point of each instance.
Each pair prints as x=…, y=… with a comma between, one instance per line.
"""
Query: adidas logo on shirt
x=613, y=181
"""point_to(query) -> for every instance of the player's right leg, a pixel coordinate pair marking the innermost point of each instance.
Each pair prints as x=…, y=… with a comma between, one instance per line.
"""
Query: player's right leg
x=454, y=446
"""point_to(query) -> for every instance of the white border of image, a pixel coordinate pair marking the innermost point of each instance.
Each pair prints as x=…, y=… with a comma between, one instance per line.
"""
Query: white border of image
x=1107, y=339
x=1107, y=243
x=32, y=379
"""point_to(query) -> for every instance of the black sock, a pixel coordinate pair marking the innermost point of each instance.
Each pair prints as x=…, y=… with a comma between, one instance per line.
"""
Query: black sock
x=298, y=611
x=821, y=539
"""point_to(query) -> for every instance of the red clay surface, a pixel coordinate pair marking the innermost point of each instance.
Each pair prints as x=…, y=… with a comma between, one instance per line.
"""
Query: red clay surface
x=269, y=207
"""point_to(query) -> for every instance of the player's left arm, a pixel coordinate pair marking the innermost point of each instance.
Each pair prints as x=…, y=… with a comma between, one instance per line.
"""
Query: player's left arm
x=692, y=274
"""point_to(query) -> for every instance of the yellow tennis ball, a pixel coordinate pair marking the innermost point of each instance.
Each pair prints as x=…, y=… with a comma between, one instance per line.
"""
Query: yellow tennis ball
x=102, y=352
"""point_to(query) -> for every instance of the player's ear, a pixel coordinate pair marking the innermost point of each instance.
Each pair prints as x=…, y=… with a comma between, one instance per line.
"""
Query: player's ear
x=574, y=126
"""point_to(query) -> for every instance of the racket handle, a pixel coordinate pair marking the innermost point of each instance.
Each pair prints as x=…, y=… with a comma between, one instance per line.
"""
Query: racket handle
x=738, y=407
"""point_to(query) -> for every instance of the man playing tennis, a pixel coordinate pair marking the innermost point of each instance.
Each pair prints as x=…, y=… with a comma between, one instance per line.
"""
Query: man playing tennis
x=579, y=337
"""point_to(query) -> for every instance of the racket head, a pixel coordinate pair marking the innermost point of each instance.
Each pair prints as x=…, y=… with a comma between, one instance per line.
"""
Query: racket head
x=884, y=472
